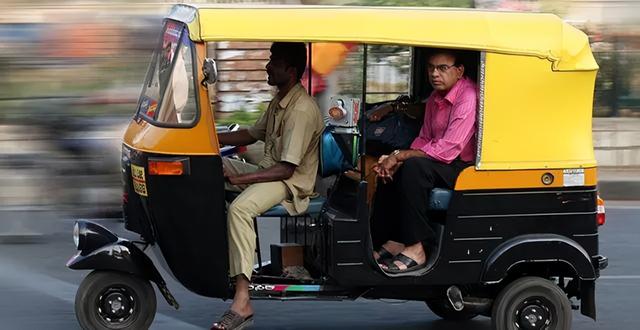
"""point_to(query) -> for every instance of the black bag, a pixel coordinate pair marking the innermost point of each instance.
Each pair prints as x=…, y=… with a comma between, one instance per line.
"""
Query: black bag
x=394, y=131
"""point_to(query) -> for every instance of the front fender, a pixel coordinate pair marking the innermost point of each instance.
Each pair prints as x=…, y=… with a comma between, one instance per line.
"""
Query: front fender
x=121, y=256
x=537, y=248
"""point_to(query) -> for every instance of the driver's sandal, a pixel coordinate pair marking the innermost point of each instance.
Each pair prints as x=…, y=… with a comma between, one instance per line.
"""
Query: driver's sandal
x=231, y=320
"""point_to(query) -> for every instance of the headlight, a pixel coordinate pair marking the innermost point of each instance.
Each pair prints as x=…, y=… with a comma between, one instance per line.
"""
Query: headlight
x=76, y=235
x=89, y=236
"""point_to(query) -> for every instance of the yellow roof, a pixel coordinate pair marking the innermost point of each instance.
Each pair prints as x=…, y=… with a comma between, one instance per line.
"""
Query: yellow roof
x=541, y=35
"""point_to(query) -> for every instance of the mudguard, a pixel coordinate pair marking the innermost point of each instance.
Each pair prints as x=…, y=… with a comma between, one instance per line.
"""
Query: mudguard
x=122, y=256
x=537, y=248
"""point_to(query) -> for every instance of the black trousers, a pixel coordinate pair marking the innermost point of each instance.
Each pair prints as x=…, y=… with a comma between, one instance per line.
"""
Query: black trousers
x=400, y=207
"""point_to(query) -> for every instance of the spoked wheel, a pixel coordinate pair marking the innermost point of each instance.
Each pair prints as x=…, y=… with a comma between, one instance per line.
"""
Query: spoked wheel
x=115, y=300
x=532, y=303
x=443, y=309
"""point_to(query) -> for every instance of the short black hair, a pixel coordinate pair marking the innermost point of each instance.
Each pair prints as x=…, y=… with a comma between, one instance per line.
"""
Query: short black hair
x=293, y=54
x=456, y=54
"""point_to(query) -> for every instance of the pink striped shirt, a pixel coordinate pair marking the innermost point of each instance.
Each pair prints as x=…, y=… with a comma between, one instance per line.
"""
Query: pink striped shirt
x=449, y=127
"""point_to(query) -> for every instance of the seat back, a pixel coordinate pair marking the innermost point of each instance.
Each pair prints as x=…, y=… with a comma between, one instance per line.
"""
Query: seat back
x=439, y=199
x=331, y=157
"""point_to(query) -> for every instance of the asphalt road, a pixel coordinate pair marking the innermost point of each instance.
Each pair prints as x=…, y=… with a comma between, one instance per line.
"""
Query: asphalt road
x=37, y=290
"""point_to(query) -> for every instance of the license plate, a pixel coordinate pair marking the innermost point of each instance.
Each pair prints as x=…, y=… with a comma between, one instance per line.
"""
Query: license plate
x=139, y=182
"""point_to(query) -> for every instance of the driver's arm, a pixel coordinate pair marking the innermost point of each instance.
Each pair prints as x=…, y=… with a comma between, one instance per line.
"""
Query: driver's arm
x=247, y=136
x=237, y=138
x=278, y=172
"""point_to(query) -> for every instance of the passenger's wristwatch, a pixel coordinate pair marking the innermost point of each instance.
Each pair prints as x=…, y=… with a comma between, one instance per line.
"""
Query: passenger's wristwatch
x=395, y=152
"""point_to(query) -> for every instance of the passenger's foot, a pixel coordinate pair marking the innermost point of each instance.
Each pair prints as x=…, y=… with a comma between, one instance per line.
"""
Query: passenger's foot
x=412, y=258
x=387, y=251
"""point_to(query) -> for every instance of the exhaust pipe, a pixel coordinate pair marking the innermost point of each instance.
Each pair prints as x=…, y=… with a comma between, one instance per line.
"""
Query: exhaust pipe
x=472, y=304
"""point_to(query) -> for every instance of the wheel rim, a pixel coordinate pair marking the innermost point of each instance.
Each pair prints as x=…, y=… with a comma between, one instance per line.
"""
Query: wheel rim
x=534, y=313
x=117, y=306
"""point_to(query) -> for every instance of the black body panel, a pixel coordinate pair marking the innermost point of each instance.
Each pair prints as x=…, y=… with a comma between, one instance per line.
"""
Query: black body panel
x=476, y=224
x=185, y=216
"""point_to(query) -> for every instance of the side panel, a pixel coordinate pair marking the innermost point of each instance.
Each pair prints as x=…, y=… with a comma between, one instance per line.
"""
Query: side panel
x=525, y=98
x=476, y=225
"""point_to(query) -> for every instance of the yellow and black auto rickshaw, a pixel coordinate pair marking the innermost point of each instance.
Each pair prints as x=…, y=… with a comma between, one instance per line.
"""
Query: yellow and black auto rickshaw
x=517, y=236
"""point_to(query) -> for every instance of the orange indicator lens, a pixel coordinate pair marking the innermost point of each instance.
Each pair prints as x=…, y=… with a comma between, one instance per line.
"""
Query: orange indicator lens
x=165, y=168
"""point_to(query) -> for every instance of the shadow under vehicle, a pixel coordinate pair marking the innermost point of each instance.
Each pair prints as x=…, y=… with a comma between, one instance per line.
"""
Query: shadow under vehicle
x=518, y=235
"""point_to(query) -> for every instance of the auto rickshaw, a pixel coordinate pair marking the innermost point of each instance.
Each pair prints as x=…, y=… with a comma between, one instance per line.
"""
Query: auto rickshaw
x=518, y=235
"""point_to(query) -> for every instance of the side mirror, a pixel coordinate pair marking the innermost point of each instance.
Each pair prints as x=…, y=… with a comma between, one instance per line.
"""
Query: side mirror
x=210, y=72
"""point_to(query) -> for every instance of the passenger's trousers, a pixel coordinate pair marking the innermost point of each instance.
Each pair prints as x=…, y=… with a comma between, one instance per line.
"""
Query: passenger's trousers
x=400, y=207
x=254, y=200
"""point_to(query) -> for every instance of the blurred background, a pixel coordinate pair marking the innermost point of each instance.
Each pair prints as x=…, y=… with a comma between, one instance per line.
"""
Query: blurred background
x=72, y=72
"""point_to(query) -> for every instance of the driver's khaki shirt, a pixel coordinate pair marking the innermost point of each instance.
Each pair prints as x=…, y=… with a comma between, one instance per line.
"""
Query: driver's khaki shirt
x=291, y=128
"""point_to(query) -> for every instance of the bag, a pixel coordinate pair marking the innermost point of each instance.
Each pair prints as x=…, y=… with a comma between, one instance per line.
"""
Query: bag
x=394, y=131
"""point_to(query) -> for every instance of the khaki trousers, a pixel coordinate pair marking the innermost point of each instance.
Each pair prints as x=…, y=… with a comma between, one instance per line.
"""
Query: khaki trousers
x=254, y=200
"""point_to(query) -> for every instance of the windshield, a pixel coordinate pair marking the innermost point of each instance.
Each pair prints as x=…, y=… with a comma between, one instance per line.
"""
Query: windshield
x=168, y=95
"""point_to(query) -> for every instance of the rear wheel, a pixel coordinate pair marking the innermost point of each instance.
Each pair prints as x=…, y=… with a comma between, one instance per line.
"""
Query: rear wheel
x=115, y=300
x=532, y=303
x=445, y=311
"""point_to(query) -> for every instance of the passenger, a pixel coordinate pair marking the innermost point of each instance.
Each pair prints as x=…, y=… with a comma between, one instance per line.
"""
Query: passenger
x=445, y=145
x=291, y=128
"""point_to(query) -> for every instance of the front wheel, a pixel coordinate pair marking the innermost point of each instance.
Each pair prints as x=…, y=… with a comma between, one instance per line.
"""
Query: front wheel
x=443, y=309
x=531, y=303
x=115, y=300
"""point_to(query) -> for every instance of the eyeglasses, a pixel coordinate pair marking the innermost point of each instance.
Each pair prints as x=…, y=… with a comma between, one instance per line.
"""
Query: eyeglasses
x=442, y=68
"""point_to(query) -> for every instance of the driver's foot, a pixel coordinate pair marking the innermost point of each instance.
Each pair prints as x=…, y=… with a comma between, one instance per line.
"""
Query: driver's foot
x=242, y=308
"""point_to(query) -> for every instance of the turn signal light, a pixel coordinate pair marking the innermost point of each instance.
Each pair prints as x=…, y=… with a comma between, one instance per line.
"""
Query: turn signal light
x=166, y=168
x=600, y=214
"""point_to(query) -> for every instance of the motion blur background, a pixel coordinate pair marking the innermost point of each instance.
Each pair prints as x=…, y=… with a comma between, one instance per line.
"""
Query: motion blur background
x=71, y=73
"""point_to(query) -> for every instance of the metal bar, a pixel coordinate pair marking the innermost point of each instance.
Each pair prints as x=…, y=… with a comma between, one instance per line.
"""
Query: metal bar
x=309, y=68
x=363, y=126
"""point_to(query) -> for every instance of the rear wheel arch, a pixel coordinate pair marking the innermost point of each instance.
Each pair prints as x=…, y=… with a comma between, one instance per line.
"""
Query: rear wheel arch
x=538, y=254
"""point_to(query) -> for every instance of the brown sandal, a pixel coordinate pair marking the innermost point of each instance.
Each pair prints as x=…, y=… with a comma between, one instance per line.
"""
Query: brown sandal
x=231, y=320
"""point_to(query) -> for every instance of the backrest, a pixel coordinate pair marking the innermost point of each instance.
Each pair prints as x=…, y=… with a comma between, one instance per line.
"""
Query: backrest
x=331, y=157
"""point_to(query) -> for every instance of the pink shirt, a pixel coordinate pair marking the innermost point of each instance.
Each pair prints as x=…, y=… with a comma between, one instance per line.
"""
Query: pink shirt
x=449, y=124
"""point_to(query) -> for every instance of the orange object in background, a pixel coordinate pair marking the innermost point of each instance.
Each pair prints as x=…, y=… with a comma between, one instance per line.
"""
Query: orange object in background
x=326, y=56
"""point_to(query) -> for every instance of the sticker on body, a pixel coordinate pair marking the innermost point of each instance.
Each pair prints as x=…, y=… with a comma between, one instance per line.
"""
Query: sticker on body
x=139, y=182
x=573, y=177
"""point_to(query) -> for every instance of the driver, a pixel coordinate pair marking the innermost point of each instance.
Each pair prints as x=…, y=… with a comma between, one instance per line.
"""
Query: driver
x=291, y=128
x=443, y=148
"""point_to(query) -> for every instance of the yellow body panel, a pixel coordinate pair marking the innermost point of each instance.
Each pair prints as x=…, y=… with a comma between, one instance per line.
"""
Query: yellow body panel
x=533, y=117
x=472, y=179
x=540, y=35
x=198, y=140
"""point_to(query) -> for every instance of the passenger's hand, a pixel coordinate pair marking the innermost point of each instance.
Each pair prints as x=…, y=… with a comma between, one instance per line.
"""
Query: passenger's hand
x=386, y=167
x=379, y=112
x=225, y=172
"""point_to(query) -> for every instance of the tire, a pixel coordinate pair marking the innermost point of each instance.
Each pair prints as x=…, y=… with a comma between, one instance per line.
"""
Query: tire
x=535, y=297
x=443, y=309
x=133, y=298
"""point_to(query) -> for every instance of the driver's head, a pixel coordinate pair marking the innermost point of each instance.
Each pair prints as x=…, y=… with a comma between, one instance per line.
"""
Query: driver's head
x=444, y=69
x=287, y=62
